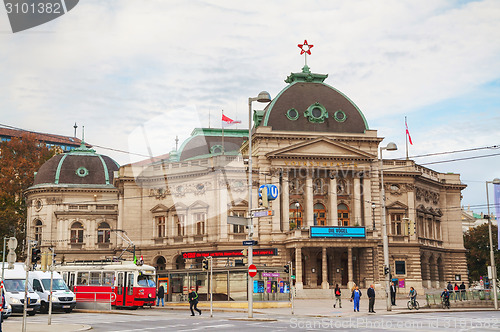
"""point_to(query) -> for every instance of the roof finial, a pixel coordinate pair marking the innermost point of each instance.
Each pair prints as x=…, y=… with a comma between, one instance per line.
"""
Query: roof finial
x=83, y=133
x=75, y=126
x=305, y=49
x=176, y=142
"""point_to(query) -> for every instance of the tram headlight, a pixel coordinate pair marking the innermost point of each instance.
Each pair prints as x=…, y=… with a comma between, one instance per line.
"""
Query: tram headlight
x=149, y=295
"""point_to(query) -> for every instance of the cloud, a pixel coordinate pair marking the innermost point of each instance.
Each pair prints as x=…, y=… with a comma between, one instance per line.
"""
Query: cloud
x=114, y=66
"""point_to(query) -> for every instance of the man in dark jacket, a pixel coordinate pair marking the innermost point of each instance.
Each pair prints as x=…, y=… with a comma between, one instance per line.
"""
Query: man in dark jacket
x=160, y=294
x=462, y=291
x=393, y=293
x=371, y=298
x=193, y=302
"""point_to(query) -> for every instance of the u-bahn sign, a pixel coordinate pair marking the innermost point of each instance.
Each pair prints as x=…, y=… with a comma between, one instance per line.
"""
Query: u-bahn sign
x=338, y=232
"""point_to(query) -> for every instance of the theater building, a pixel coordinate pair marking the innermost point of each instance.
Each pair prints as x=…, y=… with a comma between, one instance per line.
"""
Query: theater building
x=315, y=145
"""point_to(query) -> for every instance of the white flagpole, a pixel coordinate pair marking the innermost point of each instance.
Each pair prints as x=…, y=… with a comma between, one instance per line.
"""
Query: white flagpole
x=222, y=122
x=406, y=138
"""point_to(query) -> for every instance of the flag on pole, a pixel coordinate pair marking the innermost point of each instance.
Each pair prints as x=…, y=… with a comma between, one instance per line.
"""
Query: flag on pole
x=408, y=133
x=226, y=122
x=497, y=206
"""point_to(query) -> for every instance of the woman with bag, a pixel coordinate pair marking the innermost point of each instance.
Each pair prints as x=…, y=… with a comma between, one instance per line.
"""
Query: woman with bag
x=355, y=297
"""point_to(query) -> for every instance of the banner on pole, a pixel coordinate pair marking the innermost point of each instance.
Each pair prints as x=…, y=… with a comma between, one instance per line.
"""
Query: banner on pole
x=497, y=210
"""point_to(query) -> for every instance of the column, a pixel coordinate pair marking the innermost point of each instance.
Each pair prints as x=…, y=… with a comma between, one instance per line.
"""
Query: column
x=333, y=219
x=357, y=201
x=324, y=270
x=222, y=206
x=285, y=202
x=298, y=268
x=276, y=206
x=350, y=281
x=309, y=212
x=367, y=198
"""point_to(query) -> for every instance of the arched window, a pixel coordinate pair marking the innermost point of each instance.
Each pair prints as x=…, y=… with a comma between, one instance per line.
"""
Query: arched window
x=77, y=233
x=161, y=263
x=319, y=214
x=103, y=233
x=343, y=213
x=295, y=215
x=38, y=231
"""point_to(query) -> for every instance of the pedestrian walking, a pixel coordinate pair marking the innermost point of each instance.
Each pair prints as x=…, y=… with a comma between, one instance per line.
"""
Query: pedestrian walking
x=393, y=293
x=371, y=299
x=338, y=296
x=160, y=294
x=355, y=297
x=450, y=288
x=462, y=291
x=193, y=302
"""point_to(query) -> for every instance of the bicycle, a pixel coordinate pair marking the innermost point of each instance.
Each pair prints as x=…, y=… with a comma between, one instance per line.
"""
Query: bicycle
x=413, y=304
x=445, y=303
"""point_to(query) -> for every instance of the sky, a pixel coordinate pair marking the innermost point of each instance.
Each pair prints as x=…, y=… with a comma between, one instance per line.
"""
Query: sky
x=130, y=69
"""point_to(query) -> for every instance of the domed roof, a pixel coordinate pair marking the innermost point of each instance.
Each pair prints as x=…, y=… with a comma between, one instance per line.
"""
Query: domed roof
x=80, y=167
x=308, y=104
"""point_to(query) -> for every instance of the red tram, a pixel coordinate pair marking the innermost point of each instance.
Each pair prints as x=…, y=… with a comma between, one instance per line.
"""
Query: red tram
x=123, y=284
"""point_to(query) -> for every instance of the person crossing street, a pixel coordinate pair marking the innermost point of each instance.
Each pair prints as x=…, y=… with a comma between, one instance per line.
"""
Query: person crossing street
x=193, y=302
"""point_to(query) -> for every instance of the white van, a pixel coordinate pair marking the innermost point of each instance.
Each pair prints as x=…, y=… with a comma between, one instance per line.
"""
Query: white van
x=14, y=282
x=62, y=297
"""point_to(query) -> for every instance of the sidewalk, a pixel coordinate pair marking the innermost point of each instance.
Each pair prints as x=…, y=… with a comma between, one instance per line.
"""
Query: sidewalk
x=324, y=308
x=14, y=326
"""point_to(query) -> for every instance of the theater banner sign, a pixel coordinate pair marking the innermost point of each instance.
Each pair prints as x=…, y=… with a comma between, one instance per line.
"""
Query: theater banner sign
x=337, y=232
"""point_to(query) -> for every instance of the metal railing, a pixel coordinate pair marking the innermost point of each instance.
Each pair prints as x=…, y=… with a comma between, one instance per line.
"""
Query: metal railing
x=468, y=295
x=103, y=298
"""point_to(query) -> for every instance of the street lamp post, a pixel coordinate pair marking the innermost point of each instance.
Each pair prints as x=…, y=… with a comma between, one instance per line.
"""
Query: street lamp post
x=297, y=215
x=263, y=97
x=387, y=269
x=492, y=254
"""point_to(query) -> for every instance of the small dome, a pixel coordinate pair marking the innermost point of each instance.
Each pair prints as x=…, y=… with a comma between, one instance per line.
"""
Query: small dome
x=308, y=104
x=81, y=166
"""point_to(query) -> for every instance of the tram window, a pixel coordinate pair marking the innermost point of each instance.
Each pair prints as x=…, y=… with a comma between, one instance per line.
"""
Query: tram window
x=95, y=278
x=65, y=277
x=108, y=278
x=82, y=278
x=130, y=280
x=120, y=279
x=71, y=280
x=145, y=281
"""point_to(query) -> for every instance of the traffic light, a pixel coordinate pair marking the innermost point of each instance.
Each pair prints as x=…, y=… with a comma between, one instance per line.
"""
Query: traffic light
x=45, y=261
x=263, y=201
x=245, y=257
x=204, y=265
x=287, y=268
x=386, y=270
x=35, y=255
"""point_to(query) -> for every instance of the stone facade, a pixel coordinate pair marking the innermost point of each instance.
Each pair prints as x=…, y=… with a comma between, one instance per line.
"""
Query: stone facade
x=328, y=175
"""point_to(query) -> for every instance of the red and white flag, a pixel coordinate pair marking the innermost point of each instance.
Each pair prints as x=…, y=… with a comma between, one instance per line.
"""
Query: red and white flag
x=408, y=133
x=226, y=122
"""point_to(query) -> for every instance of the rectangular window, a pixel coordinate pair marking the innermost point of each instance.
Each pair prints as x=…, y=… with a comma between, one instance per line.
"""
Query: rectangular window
x=200, y=218
x=95, y=278
x=160, y=225
x=82, y=278
x=400, y=267
x=108, y=278
x=396, y=224
x=238, y=229
x=179, y=221
x=77, y=236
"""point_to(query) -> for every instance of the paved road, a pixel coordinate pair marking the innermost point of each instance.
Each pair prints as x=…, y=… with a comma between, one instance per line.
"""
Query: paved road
x=156, y=320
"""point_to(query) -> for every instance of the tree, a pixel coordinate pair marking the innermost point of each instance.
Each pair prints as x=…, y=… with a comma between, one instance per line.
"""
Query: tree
x=477, y=243
x=20, y=158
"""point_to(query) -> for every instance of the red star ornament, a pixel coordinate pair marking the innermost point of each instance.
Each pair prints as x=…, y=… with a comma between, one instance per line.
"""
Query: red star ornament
x=306, y=49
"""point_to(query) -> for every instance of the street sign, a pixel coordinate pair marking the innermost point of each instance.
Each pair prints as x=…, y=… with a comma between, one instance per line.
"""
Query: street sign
x=263, y=213
x=231, y=220
x=252, y=271
x=250, y=243
x=293, y=277
x=272, y=191
x=270, y=274
x=12, y=244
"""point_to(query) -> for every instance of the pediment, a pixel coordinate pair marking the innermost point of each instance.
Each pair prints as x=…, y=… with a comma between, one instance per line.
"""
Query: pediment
x=178, y=206
x=397, y=205
x=198, y=205
x=159, y=208
x=320, y=147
